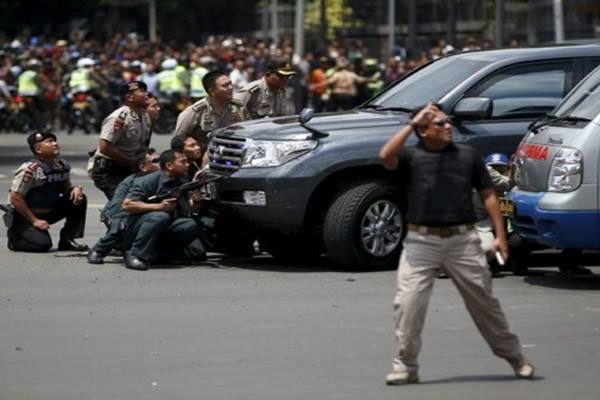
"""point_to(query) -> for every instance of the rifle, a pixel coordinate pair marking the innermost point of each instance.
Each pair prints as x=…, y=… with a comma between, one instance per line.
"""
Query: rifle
x=184, y=188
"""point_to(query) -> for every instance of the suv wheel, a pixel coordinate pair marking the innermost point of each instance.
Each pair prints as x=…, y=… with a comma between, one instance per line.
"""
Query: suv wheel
x=364, y=226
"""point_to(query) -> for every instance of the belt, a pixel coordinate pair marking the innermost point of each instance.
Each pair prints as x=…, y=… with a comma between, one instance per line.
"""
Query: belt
x=104, y=163
x=441, y=231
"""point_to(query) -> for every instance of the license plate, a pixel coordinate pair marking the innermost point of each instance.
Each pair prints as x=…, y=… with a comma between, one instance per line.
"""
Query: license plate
x=507, y=207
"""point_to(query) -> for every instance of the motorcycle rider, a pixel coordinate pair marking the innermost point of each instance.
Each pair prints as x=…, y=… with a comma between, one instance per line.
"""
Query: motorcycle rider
x=82, y=81
x=30, y=87
x=170, y=83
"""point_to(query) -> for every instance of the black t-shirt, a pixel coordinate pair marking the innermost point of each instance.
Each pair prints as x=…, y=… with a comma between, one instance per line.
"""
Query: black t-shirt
x=440, y=183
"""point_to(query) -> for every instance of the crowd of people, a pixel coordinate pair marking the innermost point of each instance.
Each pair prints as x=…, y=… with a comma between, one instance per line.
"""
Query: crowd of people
x=49, y=73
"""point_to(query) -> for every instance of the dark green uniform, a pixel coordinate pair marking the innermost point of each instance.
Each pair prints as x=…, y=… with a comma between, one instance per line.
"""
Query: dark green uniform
x=114, y=217
x=159, y=234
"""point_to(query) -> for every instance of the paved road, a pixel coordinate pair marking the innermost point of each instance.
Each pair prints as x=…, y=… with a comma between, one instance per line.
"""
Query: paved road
x=254, y=329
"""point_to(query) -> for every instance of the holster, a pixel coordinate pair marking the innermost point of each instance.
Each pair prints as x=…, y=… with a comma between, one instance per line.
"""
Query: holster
x=9, y=216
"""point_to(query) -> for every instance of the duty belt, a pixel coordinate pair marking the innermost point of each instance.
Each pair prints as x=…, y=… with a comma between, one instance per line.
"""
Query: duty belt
x=103, y=163
x=441, y=231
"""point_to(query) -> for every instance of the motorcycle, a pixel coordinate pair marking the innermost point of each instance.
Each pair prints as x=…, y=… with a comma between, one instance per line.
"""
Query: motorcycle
x=16, y=116
x=82, y=113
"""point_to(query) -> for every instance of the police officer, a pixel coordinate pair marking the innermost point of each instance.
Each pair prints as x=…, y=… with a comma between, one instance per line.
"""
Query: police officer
x=41, y=194
x=170, y=79
x=30, y=86
x=189, y=146
x=124, y=132
x=217, y=110
x=265, y=97
x=112, y=214
x=80, y=79
x=159, y=230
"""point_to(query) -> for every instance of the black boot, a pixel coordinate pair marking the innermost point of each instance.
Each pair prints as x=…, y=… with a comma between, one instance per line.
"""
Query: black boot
x=71, y=245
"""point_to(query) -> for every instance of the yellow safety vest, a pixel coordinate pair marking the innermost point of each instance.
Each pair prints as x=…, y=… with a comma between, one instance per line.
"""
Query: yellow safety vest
x=169, y=82
x=196, y=86
x=27, y=84
x=80, y=80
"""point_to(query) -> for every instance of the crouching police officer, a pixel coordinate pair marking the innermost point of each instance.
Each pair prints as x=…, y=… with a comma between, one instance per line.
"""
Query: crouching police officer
x=215, y=111
x=160, y=230
x=41, y=194
x=113, y=215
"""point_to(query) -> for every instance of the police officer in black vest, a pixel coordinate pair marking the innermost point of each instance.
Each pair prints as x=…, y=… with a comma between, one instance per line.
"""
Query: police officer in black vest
x=41, y=194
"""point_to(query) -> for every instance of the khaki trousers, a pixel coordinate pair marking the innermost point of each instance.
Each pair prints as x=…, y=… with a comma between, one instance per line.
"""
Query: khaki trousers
x=463, y=260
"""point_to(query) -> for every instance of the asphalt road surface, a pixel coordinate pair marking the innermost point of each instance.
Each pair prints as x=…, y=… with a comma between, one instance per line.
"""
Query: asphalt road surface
x=254, y=329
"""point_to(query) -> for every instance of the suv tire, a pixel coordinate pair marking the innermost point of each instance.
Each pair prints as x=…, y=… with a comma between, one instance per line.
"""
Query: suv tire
x=364, y=226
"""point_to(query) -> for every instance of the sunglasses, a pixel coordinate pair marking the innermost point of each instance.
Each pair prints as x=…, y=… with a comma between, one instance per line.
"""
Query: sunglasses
x=442, y=122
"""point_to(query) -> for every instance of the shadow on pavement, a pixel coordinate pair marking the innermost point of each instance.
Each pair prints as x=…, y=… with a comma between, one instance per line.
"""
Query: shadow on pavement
x=557, y=280
x=267, y=263
x=478, y=378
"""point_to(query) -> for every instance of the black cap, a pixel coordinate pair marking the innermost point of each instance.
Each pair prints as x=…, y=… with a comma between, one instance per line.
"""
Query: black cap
x=131, y=86
x=37, y=137
x=281, y=67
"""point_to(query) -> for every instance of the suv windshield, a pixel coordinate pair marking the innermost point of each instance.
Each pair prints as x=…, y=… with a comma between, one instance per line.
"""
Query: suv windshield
x=584, y=102
x=430, y=83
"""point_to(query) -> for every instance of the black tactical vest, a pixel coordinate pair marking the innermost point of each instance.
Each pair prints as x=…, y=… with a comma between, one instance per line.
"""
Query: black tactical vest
x=47, y=195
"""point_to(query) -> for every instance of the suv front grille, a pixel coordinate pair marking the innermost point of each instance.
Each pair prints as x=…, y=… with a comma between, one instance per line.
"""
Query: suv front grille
x=225, y=153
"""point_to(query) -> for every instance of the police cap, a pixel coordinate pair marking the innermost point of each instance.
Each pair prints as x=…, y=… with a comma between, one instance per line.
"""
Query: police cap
x=280, y=67
x=132, y=86
x=496, y=159
x=37, y=137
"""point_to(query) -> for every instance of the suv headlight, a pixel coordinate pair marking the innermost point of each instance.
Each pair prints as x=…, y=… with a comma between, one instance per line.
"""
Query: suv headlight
x=266, y=153
x=565, y=171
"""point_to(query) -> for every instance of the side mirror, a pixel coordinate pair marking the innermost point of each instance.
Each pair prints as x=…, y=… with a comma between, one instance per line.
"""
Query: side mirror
x=473, y=108
x=305, y=115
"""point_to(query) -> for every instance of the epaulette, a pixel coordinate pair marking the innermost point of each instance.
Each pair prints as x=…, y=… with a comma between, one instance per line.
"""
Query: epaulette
x=199, y=106
x=254, y=89
x=236, y=103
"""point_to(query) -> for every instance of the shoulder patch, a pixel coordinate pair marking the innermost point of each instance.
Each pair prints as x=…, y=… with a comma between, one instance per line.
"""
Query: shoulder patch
x=120, y=121
x=32, y=166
